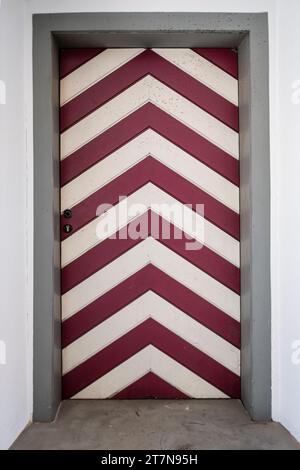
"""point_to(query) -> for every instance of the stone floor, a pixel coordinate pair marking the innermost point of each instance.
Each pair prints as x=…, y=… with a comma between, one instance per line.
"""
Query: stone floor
x=154, y=425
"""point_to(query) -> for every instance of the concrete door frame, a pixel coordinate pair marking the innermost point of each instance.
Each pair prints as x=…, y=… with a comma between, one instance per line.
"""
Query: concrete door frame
x=248, y=33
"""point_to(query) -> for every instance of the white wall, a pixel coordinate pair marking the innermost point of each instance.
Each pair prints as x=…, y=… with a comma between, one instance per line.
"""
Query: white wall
x=284, y=69
x=14, y=376
x=286, y=195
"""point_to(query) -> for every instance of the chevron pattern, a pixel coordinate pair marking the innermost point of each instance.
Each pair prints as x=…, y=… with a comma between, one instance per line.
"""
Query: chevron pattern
x=143, y=316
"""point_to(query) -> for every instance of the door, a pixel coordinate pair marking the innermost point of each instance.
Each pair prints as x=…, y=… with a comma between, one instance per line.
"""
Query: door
x=150, y=223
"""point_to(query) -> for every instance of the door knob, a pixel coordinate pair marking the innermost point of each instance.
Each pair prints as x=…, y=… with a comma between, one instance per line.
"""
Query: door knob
x=67, y=213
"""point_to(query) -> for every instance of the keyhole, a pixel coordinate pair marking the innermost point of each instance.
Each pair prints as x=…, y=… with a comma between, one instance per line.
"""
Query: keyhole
x=68, y=228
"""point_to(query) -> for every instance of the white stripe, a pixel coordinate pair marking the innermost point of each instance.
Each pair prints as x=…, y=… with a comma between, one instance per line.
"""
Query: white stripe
x=150, y=251
x=149, y=89
x=93, y=71
x=150, y=195
x=150, y=359
x=204, y=71
x=150, y=143
x=195, y=279
x=150, y=305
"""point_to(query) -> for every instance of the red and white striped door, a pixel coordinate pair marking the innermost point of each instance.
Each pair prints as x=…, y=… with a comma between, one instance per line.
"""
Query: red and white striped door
x=144, y=314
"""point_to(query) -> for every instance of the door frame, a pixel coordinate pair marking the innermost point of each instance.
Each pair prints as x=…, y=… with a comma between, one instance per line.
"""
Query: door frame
x=248, y=32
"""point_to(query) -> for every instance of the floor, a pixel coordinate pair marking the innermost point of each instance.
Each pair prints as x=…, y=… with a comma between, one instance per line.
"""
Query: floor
x=154, y=425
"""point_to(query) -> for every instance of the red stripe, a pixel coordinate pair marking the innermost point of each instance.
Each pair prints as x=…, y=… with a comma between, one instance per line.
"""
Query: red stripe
x=208, y=261
x=149, y=116
x=150, y=278
x=150, y=170
x=225, y=59
x=150, y=332
x=110, y=249
x=150, y=386
x=144, y=64
x=72, y=59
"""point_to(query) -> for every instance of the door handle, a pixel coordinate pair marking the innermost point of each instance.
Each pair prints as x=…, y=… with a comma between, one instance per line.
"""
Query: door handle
x=67, y=213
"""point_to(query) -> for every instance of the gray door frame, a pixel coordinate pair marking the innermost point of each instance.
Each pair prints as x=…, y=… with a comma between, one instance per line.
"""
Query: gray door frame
x=248, y=33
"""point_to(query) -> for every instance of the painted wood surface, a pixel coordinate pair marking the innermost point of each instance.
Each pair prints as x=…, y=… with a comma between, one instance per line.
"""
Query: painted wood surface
x=145, y=316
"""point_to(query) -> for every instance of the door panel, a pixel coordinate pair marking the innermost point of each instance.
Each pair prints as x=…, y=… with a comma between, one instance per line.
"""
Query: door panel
x=150, y=223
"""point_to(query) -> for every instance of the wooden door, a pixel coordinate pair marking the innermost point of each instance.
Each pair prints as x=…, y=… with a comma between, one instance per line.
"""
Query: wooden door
x=150, y=301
